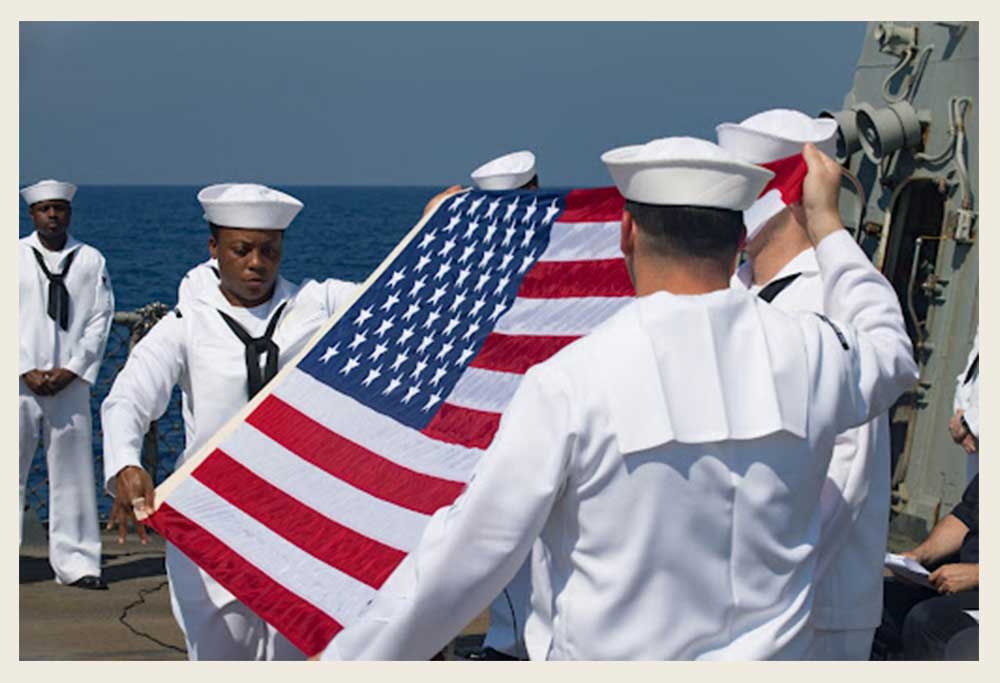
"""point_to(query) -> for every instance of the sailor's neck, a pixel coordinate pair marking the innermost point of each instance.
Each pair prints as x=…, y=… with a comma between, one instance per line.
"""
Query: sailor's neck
x=769, y=261
x=687, y=281
x=238, y=302
x=49, y=244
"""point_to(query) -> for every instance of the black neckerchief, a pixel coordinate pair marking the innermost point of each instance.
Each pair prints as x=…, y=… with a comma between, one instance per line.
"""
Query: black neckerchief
x=58, y=308
x=255, y=348
x=775, y=288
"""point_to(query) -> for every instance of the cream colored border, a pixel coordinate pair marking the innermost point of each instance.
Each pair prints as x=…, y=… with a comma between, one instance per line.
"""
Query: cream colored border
x=562, y=10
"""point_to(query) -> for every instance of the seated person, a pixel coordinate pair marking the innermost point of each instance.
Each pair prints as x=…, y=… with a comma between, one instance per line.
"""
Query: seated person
x=920, y=621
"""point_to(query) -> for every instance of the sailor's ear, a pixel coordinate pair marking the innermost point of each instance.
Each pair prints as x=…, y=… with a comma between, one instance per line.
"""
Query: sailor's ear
x=213, y=246
x=628, y=235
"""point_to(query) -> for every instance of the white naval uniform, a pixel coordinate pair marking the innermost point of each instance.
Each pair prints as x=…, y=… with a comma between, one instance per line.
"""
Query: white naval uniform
x=854, y=502
x=667, y=468
x=967, y=400
x=64, y=419
x=193, y=347
x=204, y=277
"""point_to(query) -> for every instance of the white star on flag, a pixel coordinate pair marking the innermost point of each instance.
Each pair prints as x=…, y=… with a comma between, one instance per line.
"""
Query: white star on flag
x=508, y=236
x=438, y=293
x=407, y=333
x=462, y=274
x=400, y=359
x=483, y=279
x=490, y=229
x=473, y=225
x=397, y=275
x=530, y=211
x=421, y=264
x=476, y=306
x=445, y=350
x=385, y=326
x=527, y=236
x=417, y=286
x=497, y=310
x=459, y=298
x=430, y=402
x=427, y=239
x=448, y=246
x=507, y=258
x=359, y=339
x=491, y=209
x=452, y=324
x=410, y=393
x=455, y=220
x=473, y=328
x=443, y=270
x=349, y=365
x=458, y=202
x=511, y=208
x=377, y=353
x=393, y=385
x=363, y=315
x=550, y=212
x=389, y=302
x=466, y=253
x=501, y=284
x=431, y=317
x=474, y=206
x=425, y=342
x=487, y=255
x=438, y=374
x=411, y=311
x=466, y=353
x=330, y=352
x=421, y=366
x=527, y=261
x=373, y=375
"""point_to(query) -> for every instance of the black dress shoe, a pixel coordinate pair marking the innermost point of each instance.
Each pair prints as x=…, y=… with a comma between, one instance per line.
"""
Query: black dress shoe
x=93, y=583
x=489, y=654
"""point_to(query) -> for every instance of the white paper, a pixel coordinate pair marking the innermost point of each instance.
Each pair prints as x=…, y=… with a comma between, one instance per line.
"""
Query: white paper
x=974, y=613
x=908, y=568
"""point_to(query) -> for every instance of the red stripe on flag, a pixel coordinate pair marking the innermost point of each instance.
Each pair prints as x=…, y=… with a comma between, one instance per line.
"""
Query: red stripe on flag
x=789, y=173
x=351, y=462
x=564, y=279
x=356, y=555
x=463, y=426
x=307, y=627
x=517, y=353
x=593, y=206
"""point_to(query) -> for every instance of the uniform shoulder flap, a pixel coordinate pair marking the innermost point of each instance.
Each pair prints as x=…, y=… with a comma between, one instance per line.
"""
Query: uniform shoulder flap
x=705, y=369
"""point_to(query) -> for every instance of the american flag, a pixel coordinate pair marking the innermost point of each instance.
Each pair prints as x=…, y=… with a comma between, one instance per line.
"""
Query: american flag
x=308, y=500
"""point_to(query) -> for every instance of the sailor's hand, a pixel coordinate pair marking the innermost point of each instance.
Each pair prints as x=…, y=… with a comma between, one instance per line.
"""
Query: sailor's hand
x=955, y=578
x=820, y=206
x=37, y=381
x=440, y=196
x=970, y=444
x=134, y=489
x=59, y=379
x=956, y=427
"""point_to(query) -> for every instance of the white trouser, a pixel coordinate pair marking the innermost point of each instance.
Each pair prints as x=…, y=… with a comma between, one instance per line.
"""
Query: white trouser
x=64, y=423
x=842, y=645
x=216, y=625
x=506, y=632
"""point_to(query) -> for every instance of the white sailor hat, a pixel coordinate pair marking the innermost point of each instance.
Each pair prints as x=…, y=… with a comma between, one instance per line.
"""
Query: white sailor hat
x=683, y=171
x=777, y=134
x=45, y=190
x=769, y=137
x=250, y=206
x=508, y=172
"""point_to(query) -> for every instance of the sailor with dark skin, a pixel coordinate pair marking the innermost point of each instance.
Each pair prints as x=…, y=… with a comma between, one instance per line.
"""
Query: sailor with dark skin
x=65, y=311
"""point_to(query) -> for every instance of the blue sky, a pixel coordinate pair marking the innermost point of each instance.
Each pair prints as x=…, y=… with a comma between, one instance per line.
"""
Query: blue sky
x=397, y=103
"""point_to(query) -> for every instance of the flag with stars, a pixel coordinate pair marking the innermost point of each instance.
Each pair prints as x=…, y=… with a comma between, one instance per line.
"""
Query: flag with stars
x=347, y=453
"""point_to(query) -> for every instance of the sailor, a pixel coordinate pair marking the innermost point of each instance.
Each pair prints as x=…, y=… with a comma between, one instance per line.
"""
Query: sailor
x=508, y=611
x=66, y=309
x=782, y=269
x=222, y=347
x=668, y=466
x=964, y=423
x=514, y=171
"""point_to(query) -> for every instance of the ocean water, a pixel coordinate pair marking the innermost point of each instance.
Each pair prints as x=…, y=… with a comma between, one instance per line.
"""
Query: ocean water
x=152, y=235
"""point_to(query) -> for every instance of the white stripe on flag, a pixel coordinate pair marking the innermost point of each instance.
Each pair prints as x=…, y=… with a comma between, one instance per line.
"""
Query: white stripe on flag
x=484, y=390
x=583, y=242
x=572, y=317
x=373, y=517
x=376, y=432
x=329, y=590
